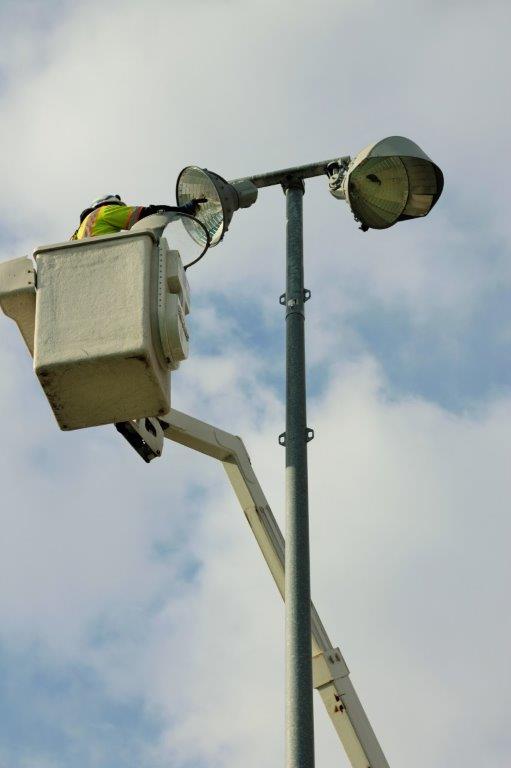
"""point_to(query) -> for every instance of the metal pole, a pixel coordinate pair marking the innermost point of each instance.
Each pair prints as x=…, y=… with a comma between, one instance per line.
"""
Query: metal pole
x=299, y=711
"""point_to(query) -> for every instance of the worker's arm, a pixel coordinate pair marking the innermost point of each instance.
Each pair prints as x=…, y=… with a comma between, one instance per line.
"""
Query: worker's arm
x=120, y=217
x=190, y=208
x=113, y=218
x=125, y=216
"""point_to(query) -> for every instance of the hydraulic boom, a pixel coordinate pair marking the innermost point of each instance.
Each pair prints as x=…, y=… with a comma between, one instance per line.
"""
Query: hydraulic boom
x=330, y=671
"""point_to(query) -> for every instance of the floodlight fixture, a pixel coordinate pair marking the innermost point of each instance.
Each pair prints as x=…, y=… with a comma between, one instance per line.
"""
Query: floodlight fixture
x=222, y=199
x=389, y=181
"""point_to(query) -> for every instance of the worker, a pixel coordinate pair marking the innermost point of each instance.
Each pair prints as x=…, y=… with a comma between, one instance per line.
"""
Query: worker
x=108, y=214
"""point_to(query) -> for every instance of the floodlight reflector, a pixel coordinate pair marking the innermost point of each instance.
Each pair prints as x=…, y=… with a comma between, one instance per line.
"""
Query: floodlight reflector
x=195, y=183
x=390, y=181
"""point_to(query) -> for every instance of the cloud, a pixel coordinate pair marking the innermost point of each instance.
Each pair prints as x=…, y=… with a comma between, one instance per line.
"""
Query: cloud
x=400, y=491
x=142, y=584
x=406, y=501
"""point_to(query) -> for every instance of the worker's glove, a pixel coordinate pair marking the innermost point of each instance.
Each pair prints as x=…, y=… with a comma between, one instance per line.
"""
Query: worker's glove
x=192, y=208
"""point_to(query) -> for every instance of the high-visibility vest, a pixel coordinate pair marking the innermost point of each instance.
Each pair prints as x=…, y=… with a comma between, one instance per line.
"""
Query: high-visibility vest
x=107, y=220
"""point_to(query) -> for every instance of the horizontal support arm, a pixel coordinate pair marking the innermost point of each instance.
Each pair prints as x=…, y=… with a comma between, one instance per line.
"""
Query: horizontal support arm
x=285, y=175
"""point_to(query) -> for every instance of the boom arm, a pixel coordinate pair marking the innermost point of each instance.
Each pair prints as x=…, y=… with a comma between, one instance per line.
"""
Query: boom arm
x=330, y=672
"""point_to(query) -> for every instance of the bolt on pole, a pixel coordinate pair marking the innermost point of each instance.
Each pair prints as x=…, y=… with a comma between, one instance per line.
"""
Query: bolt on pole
x=299, y=707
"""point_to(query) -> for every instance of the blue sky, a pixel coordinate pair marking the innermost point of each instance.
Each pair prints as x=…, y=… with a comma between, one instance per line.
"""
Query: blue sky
x=138, y=625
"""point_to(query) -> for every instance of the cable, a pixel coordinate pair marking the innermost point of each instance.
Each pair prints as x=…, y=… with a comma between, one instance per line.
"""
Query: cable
x=208, y=240
x=191, y=263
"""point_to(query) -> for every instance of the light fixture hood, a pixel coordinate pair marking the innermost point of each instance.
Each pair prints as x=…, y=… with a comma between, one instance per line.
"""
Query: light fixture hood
x=389, y=181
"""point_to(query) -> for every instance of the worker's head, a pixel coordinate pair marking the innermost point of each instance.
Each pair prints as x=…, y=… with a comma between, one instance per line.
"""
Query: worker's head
x=99, y=201
x=106, y=200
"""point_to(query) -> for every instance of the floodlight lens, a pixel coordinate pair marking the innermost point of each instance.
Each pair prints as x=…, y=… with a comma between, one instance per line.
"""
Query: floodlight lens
x=193, y=184
x=390, y=181
x=383, y=190
x=378, y=191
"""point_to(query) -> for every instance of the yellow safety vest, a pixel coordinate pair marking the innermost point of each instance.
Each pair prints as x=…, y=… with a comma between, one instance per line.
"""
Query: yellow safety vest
x=107, y=220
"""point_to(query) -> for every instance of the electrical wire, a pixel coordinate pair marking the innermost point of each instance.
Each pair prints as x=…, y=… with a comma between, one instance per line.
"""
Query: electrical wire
x=208, y=241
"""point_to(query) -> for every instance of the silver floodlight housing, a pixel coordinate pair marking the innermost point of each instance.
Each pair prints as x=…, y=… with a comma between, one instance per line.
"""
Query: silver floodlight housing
x=389, y=181
x=222, y=199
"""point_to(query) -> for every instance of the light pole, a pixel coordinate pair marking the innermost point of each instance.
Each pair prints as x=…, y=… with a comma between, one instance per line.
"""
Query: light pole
x=392, y=180
x=299, y=713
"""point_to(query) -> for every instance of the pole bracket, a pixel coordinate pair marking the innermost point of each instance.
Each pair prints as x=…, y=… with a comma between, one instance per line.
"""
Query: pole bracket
x=283, y=300
x=309, y=435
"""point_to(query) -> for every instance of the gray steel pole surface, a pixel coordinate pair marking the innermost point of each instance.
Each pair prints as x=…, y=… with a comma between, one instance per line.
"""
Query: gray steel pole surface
x=285, y=175
x=299, y=709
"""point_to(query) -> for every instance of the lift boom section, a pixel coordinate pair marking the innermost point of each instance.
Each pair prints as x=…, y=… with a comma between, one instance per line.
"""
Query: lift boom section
x=330, y=671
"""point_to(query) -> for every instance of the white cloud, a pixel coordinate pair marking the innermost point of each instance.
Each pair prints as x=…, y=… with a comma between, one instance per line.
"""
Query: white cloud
x=148, y=575
x=407, y=504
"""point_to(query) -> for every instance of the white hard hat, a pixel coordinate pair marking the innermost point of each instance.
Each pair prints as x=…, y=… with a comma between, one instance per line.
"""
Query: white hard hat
x=107, y=200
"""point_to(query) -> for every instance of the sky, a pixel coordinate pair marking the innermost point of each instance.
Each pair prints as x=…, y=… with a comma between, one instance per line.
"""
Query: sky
x=138, y=623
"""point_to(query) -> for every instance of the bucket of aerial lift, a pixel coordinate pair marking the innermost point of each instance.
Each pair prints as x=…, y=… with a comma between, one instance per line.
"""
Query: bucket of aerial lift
x=106, y=324
x=96, y=349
